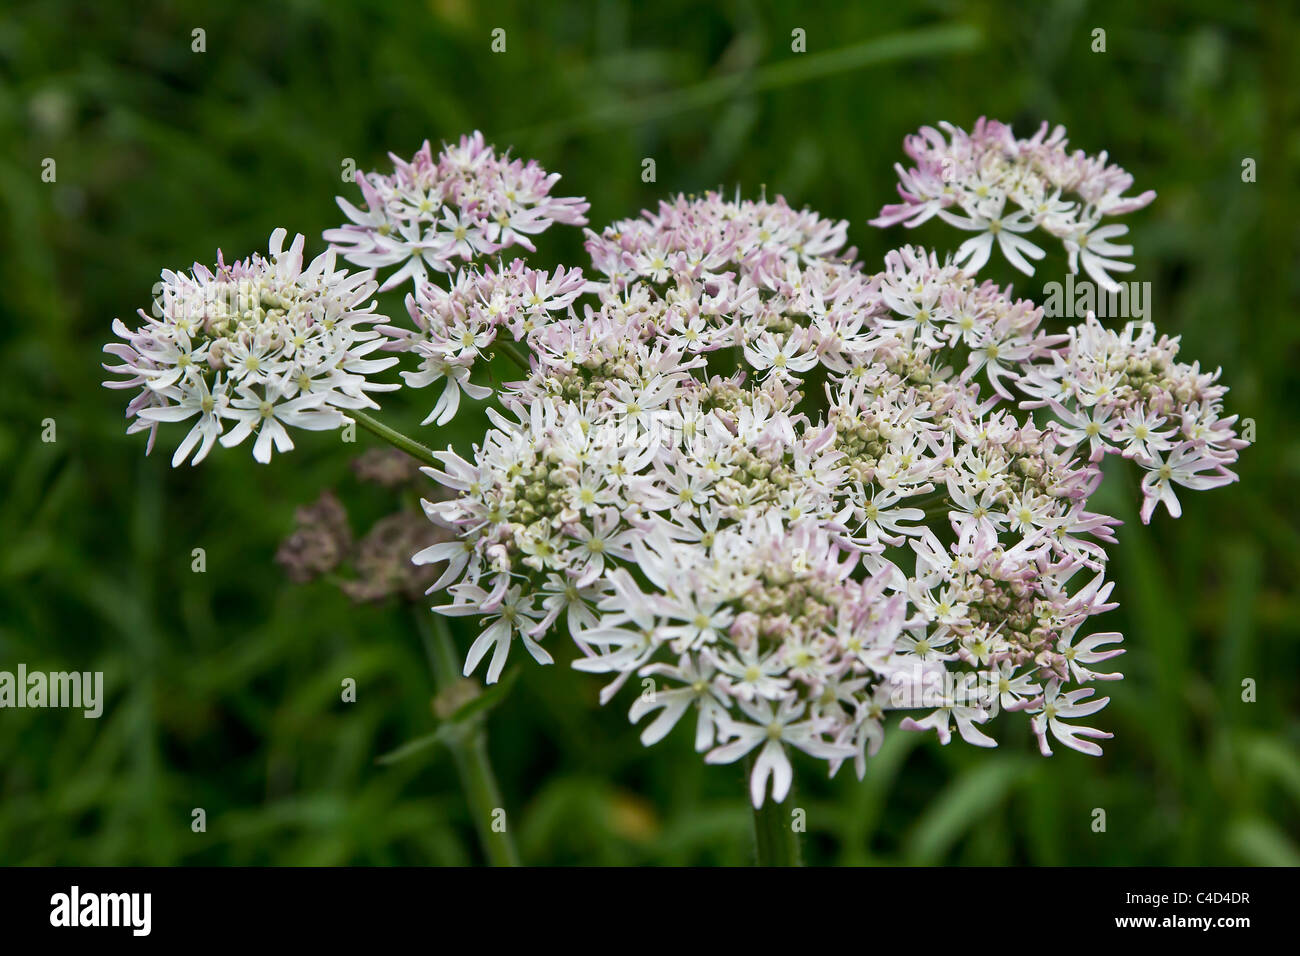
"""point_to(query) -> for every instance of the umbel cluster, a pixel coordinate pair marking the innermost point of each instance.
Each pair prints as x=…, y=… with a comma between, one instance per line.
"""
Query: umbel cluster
x=769, y=489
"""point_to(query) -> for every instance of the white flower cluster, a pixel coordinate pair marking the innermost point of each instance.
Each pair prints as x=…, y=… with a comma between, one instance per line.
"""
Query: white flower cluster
x=967, y=180
x=257, y=344
x=432, y=211
x=790, y=497
x=456, y=327
x=1124, y=393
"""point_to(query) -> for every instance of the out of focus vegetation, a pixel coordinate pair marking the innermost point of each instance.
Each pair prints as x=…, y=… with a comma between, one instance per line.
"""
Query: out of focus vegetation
x=223, y=686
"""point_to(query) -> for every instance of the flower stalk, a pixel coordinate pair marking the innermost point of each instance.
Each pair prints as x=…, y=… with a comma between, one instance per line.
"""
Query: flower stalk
x=468, y=746
x=775, y=841
x=395, y=438
x=513, y=352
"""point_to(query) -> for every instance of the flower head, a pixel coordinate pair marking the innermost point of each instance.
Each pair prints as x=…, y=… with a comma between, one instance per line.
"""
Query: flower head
x=823, y=479
x=260, y=344
x=989, y=182
x=784, y=495
x=435, y=211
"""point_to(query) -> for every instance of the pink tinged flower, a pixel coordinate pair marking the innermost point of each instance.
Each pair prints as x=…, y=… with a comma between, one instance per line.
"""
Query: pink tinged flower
x=1005, y=230
x=621, y=650
x=966, y=716
x=512, y=616
x=1072, y=705
x=865, y=733
x=914, y=210
x=287, y=339
x=457, y=555
x=1012, y=691
x=369, y=220
x=1089, y=650
x=1185, y=465
x=565, y=594
x=1091, y=425
x=173, y=356
x=195, y=399
x=1116, y=205
x=772, y=728
x=267, y=417
x=978, y=172
x=748, y=674
x=466, y=235
x=1141, y=433
x=552, y=293
x=1092, y=249
x=457, y=473
x=454, y=372
x=703, y=620
x=696, y=690
x=781, y=358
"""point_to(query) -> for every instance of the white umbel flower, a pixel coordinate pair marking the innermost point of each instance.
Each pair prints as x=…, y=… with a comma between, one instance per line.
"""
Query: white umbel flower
x=264, y=343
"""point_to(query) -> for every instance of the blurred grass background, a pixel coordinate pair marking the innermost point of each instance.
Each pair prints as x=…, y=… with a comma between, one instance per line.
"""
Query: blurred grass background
x=223, y=687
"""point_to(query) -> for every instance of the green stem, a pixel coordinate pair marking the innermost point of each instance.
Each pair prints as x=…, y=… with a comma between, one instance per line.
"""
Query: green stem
x=484, y=797
x=394, y=437
x=469, y=747
x=511, y=351
x=775, y=841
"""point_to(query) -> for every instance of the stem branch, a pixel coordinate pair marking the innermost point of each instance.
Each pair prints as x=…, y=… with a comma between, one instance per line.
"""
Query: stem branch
x=394, y=437
x=511, y=351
